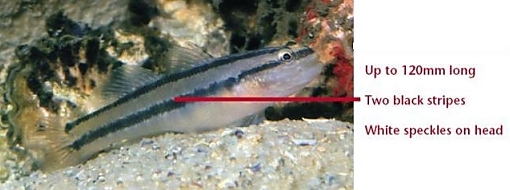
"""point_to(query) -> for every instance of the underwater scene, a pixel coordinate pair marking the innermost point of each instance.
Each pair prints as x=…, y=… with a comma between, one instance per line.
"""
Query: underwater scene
x=176, y=94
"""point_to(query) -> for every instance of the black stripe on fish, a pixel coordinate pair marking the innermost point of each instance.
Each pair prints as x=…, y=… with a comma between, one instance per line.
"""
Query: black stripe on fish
x=170, y=78
x=165, y=106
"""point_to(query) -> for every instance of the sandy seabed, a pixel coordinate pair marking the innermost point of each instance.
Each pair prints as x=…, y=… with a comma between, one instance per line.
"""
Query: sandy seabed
x=310, y=154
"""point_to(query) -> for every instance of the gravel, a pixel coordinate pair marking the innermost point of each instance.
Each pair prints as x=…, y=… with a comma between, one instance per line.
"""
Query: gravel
x=309, y=154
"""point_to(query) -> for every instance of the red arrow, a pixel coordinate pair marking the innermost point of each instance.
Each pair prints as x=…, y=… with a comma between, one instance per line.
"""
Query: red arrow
x=267, y=99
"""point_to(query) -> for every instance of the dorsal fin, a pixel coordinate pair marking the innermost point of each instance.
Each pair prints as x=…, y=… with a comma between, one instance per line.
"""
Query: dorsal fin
x=122, y=80
x=126, y=79
x=179, y=58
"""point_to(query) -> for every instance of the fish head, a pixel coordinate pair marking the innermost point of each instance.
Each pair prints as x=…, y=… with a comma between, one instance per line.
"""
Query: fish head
x=287, y=71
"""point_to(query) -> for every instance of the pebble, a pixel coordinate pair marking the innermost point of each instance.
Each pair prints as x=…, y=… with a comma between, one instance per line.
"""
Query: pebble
x=262, y=161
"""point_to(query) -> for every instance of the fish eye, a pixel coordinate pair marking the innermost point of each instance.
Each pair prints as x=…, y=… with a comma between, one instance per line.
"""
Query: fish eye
x=285, y=55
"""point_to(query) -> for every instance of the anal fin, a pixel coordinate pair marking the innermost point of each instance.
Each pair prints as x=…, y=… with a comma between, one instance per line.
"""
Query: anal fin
x=254, y=119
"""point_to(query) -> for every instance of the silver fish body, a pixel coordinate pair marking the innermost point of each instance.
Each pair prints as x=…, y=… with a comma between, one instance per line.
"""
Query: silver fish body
x=145, y=106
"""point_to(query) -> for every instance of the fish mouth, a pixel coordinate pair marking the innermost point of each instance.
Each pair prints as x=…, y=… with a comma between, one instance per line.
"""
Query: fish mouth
x=293, y=77
x=311, y=69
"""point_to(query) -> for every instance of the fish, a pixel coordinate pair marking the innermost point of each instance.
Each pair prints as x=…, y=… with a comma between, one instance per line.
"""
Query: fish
x=137, y=103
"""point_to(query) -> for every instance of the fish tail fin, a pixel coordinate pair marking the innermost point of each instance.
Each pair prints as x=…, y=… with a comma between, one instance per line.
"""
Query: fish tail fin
x=48, y=145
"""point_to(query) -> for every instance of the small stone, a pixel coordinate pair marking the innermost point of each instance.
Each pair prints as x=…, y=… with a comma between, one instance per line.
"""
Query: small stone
x=4, y=174
x=256, y=168
x=239, y=134
x=304, y=142
x=146, y=142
